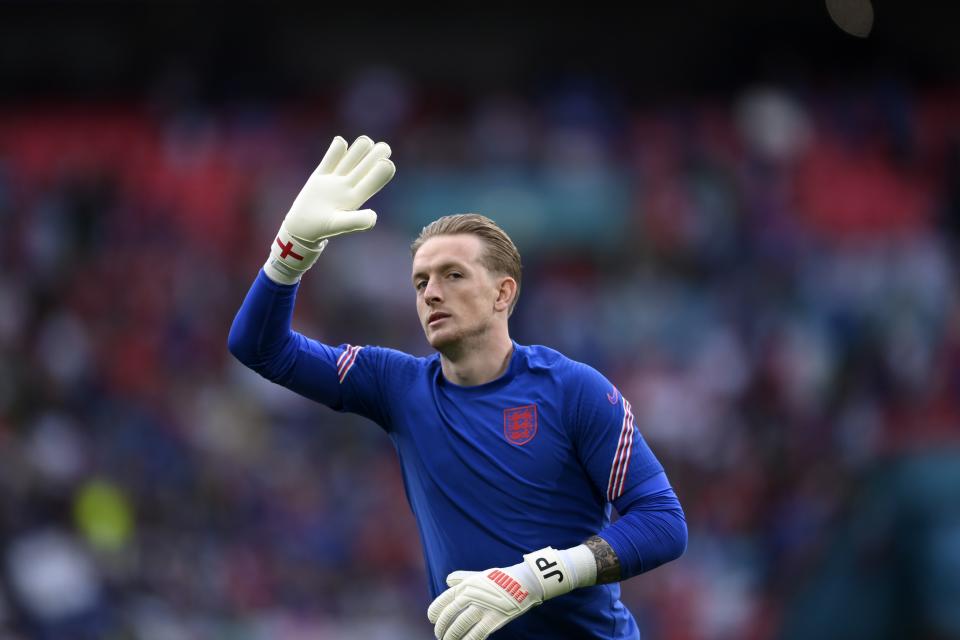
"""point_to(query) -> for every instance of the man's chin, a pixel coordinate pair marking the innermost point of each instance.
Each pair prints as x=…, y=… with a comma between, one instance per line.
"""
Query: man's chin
x=441, y=340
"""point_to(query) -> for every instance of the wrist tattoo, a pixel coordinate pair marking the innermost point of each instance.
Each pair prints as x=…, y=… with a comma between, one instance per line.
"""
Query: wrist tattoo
x=608, y=564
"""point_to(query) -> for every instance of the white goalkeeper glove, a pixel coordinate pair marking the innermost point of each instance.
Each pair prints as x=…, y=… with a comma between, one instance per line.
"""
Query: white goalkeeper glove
x=327, y=205
x=480, y=602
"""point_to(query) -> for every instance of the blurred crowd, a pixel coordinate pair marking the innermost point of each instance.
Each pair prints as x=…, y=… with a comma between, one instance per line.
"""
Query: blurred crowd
x=770, y=277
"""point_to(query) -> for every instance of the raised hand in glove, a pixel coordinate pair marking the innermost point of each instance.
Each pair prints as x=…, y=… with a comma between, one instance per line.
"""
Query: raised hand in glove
x=328, y=205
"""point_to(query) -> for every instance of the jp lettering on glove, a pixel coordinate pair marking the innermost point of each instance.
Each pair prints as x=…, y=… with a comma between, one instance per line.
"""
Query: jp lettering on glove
x=480, y=602
x=327, y=206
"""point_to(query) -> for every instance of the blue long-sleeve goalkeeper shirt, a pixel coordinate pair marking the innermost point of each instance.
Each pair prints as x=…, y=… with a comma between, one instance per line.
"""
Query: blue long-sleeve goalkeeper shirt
x=534, y=458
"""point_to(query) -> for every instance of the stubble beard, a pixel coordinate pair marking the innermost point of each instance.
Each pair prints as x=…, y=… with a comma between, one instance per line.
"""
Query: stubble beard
x=462, y=341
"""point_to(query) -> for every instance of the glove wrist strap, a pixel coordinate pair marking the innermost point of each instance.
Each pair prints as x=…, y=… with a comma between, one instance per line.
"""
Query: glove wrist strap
x=291, y=256
x=582, y=564
x=560, y=572
x=550, y=572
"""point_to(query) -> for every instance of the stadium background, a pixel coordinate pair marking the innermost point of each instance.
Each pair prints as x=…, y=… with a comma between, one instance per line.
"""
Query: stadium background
x=745, y=217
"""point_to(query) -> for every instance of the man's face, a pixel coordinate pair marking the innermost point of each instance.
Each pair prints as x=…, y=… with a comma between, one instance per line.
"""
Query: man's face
x=456, y=293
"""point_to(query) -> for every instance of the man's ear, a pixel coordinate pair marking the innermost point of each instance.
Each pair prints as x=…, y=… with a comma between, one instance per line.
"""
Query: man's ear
x=506, y=293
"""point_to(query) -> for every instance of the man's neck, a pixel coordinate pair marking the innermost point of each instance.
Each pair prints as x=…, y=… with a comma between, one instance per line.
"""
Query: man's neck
x=477, y=363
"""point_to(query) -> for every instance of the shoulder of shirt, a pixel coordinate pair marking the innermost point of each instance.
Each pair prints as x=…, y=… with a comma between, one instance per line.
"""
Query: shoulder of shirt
x=397, y=357
x=572, y=373
x=582, y=388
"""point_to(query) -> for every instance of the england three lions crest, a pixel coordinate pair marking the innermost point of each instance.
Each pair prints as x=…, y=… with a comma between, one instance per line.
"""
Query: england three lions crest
x=520, y=424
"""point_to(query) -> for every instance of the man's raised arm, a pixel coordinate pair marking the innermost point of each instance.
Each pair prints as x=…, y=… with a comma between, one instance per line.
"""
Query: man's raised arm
x=327, y=206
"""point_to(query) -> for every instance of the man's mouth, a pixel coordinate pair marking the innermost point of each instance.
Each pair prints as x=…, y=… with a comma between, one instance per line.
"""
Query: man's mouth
x=436, y=316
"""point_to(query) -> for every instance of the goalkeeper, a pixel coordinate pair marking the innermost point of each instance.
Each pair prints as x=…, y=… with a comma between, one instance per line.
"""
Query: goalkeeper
x=512, y=456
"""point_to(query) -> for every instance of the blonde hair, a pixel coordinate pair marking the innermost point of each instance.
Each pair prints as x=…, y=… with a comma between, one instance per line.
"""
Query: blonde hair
x=501, y=255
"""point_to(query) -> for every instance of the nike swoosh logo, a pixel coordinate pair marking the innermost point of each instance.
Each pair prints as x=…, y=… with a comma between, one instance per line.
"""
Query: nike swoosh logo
x=612, y=398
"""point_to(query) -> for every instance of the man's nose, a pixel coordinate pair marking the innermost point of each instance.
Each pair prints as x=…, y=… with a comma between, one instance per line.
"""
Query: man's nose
x=432, y=293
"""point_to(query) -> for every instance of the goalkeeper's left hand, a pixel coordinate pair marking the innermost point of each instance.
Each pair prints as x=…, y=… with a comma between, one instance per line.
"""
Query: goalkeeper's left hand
x=480, y=602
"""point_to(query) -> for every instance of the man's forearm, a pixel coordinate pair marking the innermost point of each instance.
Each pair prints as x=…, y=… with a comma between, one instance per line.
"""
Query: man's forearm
x=608, y=565
x=651, y=531
x=260, y=333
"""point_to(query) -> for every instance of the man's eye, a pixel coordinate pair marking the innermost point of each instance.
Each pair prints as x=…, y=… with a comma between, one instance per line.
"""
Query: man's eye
x=454, y=274
x=420, y=285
